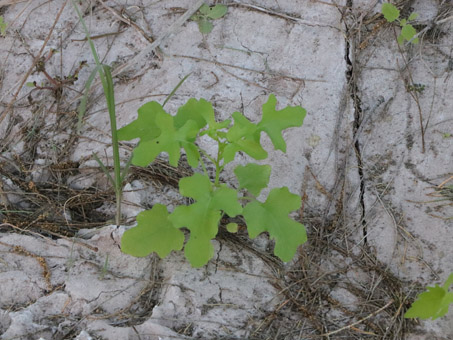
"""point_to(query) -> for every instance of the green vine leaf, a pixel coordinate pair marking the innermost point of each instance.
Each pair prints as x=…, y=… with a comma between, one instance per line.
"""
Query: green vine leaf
x=390, y=12
x=253, y=177
x=433, y=303
x=154, y=232
x=274, y=122
x=202, y=218
x=158, y=133
x=272, y=216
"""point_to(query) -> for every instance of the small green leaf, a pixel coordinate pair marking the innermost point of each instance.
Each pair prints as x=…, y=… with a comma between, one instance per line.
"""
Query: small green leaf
x=274, y=122
x=204, y=9
x=202, y=217
x=253, y=177
x=408, y=32
x=400, y=40
x=413, y=16
x=205, y=26
x=171, y=141
x=30, y=84
x=154, y=232
x=243, y=136
x=232, y=227
x=217, y=11
x=390, y=12
x=200, y=111
x=195, y=17
x=403, y=22
x=433, y=304
x=272, y=216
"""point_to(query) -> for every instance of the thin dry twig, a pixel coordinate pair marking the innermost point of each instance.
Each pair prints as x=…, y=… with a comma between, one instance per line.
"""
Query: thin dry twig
x=35, y=61
x=359, y=321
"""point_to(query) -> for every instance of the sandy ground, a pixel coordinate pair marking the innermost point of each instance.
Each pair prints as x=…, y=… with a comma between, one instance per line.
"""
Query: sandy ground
x=372, y=163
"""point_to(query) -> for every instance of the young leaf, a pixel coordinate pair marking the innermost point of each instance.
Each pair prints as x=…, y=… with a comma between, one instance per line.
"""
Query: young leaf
x=433, y=303
x=390, y=12
x=200, y=111
x=30, y=84
x=217, y=11
x=232, y=227
x=274, y=122
x=272, y=216
x=144, y=127
x=403, y=22
x=205, y=26
x=408, y=32
x=157, y=133
x=171, y=140
x=253, y=177
x=154, y=232
x=202, y=218
x=243, y=136
x=204, y=9
x=413, y=16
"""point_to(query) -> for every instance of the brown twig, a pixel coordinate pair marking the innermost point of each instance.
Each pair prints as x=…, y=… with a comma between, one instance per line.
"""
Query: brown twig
x=35, y=61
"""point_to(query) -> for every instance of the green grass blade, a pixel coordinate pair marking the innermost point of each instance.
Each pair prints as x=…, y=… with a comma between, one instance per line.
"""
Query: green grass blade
x=104, y=169
x=126, y=169
x=176, y=89
x=83, y=101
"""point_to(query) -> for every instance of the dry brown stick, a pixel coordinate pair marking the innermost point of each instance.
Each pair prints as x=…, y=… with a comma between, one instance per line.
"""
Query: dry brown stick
x=127, y=21
x=35, y=61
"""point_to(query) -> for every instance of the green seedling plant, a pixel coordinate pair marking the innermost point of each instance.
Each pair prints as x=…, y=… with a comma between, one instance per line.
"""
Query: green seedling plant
x=432, y=303
x=206, y=14
x=408, y=32
x=159, y=231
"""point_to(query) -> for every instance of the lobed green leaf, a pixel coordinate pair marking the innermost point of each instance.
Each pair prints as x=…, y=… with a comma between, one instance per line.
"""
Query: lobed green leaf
x=431, y=304
x=202, y=217
x=274, y=122
x=253, y=177
x=272, y=217
x=154, y=232
x=159, y=133
x=243, y=136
